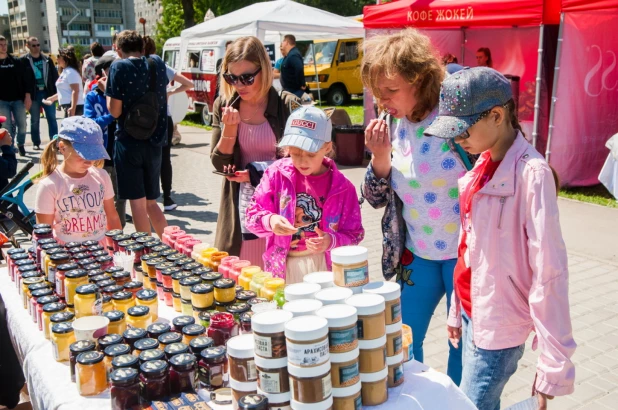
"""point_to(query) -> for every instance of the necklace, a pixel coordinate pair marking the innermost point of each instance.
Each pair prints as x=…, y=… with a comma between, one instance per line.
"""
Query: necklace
x=253, y=113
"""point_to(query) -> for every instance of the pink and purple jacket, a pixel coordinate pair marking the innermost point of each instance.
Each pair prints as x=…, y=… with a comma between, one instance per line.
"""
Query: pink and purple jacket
x=276, y=194
x=519, y=265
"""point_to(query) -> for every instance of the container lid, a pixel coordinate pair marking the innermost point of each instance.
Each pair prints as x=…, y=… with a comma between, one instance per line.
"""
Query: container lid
x=57, y=257
x=367, y=303
x=42, y=231
x=204, y=315
x=175, y=348
x=334, y=294
x=152, y=354
x=136, y=247
x=80, y=256
x=202, y=288
x=93, y=273
x=149, y=256
x=48, y=246
x=89, y=358
x=164, y=265
x=125, y=360
x=113, y=232
x=169, y=338
x=224, y=284
x=392, y=360
x=346, y=255
x=372, y=344
x=183, y=361
x=105, y=283
x=113, y=289
x=193, y=330
x=182, y=321
x=306, y=328
x=44, y=300
x=122, y=295
x=191, y=265
x=374, y=377
x=214, y=352
x=154, y=367
x=114, y=315
x=155, y=261
x=244, y=387
x=238, y=308
x=117, y=350
x=121, y=275
x=99, y=278
x=303, y=307
x=54, y=307
x=339, y=315
x=271, y=363
x=146, y=294
x=134, y=284
x=246, y=317
x=15, y=251
x=107, y=298
x=211, y=276
x=245, y=295
x=276, y=398
x=38, y=286
x=347, y=391
x=201, y=342
x=68, y=266
x=104, y=259
x=138, y=311
x=190, y=281
x=272, y=321
x=21, y=256
x=199, y=271
x=252, y=402
x=136, y=235
x=390, y=290
x=240, y=347
x=134, y=333
x=158, y=328
x=324, y=279
x=301, y=291
x=60, y=317
x=170, y=271
x=113, y=269
x=395, y=327
x=306, y=372
x=88, y=289
x=109, y=340
x=146, y=343
x=76, y=273
x=180, y=275
x=42, y=292
x=82, y=346
x=344, y=357
x=91, y=266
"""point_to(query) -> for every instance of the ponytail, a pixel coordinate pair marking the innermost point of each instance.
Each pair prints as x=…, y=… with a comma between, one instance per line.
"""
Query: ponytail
x=510, y=107
x=49, y=158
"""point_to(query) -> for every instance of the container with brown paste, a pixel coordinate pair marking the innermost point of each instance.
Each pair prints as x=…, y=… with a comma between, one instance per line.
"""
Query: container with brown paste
x=310, y=384
x=395, y=370
x=374, y=387
x=391, y=291
x=240, y=389
x=273, y=377
x=394, y=339
x=344, y=369
x=348, y=398
x=303, y=307
x=307, y=341
x=342, y=330
x=350, y=266
x=370, y=309
x=241, y=360
x=372, y=356
x=279, y=401
x=269, y=333
x=323, y=405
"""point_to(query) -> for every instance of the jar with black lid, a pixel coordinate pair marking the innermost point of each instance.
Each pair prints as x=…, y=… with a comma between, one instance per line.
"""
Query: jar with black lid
x=180, y=322
x=200, y=343
x=169, y=338
x=154, y=380
x=183, y=373
x=125, y=388
x=125, y=361
x=212, y=372
x=157, y=329
x=81, y=346
x=173, y=349
x=253, y=402
x=147, y=343
x=133, y=335
x=108, y=340
x=154, y=354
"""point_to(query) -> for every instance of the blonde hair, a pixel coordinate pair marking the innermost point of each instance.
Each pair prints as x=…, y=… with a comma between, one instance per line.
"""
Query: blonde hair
x=411, y=55
x=49, y=158
x=252, y=50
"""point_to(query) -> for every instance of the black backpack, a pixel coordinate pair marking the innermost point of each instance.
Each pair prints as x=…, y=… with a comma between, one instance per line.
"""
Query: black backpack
x=143, y=116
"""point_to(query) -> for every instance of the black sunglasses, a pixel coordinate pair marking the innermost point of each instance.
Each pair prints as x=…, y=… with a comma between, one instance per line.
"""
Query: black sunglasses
x=246, y=79
x=35, y=45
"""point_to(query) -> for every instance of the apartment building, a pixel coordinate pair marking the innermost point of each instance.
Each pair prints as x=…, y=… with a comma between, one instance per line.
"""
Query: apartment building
x=151, y=12
x=28, y=18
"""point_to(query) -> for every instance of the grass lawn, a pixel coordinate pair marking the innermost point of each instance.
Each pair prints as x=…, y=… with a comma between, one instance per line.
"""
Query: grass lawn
x=354, y=109
x=194, y=119
x=596, y=194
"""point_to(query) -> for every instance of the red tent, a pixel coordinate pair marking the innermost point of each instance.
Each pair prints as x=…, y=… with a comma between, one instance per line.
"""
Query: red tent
x=585, y=5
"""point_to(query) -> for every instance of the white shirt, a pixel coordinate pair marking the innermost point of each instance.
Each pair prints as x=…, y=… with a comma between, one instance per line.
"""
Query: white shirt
x=63, y=84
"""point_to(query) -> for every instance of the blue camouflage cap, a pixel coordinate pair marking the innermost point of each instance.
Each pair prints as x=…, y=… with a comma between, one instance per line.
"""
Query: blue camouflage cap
x=464, y=96
x=85, y=136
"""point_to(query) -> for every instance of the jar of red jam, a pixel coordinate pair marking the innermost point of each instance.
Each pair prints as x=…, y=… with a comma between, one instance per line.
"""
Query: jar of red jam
x=125, y=388
x=133, y=287
x=166, y=275
x=167, y=296
x=157, y=329
x=226, y=265
x=222, y=328
x=121, y=277
x=81, y=346
x=180, y=322
x=200, y=343
x=114, y=232
x=245, y=323
x=119, y=238
x=154, y=378
x=18, y=254
x=183, y=377
x=136, y=250
x=38, y=235
x=213, y=368
x=173, y=349
x=187, y=247
x=36, y=295
x=105, y=261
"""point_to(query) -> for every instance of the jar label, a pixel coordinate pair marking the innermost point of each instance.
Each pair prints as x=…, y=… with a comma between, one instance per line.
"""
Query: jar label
x=342, y=340
x=349, y=375
x=358, y=402
x=398, y=373
x=269, y=346
x=270, y=382
x=251, y=370
x=311, y=354
x=396, y=312
x=55, y=351
x=216, y=376
x=51, y=274
x=398, y=344
x=97, y=307
x=357, y=276
x=60, y=287
x=327, y=387
x=360, y=329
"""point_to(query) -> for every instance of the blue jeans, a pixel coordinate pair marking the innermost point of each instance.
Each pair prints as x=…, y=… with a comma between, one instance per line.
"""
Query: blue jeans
x=17, y=110
x=432, y=280
x=35, y=118
x=486, y=372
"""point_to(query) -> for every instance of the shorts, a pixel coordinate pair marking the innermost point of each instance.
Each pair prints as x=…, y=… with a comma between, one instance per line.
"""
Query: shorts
x=138, y=167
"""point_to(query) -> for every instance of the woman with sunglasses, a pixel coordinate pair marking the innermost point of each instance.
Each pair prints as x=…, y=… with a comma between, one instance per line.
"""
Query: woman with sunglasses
x=414, y=177
x=249, y=117
x=69, y=85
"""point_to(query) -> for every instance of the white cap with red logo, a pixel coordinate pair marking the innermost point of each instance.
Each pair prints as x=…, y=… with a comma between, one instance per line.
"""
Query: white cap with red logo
x=307, y=128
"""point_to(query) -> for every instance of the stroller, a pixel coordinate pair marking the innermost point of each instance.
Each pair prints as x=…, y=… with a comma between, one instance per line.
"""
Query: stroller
x=12, y=206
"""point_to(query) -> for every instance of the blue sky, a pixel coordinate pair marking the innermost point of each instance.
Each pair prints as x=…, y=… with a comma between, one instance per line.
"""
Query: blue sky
x=4, y=7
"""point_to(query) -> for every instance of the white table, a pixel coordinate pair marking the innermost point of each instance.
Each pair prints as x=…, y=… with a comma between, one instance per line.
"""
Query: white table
x=50, y=386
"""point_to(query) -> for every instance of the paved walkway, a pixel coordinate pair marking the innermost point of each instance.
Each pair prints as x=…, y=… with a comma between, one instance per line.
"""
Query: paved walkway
x=590, y=233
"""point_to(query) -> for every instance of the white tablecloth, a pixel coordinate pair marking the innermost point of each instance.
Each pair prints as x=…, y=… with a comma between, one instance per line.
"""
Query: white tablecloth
x=50, y=386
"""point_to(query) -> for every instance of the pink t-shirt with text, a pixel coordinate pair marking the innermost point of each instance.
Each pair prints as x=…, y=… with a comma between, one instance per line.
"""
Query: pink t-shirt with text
x=76, y=203
x=311, y=193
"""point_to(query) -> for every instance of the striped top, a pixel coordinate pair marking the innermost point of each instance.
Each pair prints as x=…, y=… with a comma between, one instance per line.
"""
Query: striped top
x=257, y=143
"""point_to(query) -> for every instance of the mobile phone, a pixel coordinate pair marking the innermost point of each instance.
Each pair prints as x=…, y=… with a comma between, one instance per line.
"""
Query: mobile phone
x=233, y=174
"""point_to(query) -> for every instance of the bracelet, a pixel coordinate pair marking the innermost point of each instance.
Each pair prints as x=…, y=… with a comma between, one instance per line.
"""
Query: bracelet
x=228, y=138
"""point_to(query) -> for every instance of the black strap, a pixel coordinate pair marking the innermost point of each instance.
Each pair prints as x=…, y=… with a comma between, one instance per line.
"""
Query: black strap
x=152, y=70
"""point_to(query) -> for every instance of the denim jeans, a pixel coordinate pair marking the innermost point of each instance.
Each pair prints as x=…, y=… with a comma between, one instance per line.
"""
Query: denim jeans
x=15, y=110
x=432, y=281
x=35, y=118
x=486, y=372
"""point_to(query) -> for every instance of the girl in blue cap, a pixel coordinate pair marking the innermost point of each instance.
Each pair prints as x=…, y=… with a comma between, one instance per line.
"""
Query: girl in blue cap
x=76, y=196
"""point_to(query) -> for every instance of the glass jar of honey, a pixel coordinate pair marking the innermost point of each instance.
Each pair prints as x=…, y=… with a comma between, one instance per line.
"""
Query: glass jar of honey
x=148, y=297
x=117, y=322
x=123, y=301
x=62, y=337
x=138, y=316
x=91, y=377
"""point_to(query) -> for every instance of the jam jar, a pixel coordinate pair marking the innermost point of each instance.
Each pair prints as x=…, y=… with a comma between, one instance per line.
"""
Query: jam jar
x=138, y=316
x=154, y=377
x=147, y=343
x=180, y=322
x=204, y=318
x=125, y=389
x=114, y=351
x=157, y=329
x=119, y=238
x=190, y=332
x=202, y=295
x=81, y=346
x=200, y=343
x=154, y=354
x=133, y=335
x=253, y=402
x=169, y=338
x=121, y=277
x=123, y=301
x=91, y=377
x=88, y=301
x=211, y=277
x=166, y=276
x=41, y=302
x=55, y=260
x=213, y=368
x=225, y=290
x=148, y=297
x=108, y=340
x=245, y=295
x=60, y=317
x=111, y=289
x=117, y=322
x=176, y=278
x=183, y=373
x=222, y=328
x=125, y=361
x=133, y=287
x=186, y=284
x=245, y=323
x=173, y=349
x=72, y=279
x=238, y=309
x=122, y=245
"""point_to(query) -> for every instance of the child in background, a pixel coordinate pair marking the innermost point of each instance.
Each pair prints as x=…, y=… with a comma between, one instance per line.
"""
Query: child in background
x=304, y=205
x=511, y=275
x=95, y=104
x=76, y=197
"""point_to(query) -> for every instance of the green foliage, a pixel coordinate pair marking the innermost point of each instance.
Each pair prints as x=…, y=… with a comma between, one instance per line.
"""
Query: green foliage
x=80, y=51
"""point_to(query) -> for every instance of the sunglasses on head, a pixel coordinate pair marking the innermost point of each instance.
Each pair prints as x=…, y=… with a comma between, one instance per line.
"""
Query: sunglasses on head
x=245, y=79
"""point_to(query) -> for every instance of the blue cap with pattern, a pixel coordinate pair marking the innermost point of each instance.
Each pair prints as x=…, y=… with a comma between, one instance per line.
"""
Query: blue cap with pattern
x=85, y=136
x=307, y=128
x=464, y=96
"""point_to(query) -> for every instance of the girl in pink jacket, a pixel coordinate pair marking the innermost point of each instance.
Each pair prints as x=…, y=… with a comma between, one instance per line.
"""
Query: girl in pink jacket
x=303, y=205
x=511, y=276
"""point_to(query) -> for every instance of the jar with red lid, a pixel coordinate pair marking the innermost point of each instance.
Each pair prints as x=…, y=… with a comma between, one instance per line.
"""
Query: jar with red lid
x=173, y=236
x=226, y=265
x=154, y=378
x=183, y=377
x=222, y=328
x=125, y=388
x=122, y=245
x=213, y=368
x=167, y=231
x=136, y=250
x=38, y=235
x=105, y=261
x=133, y=287
x=121, y=277
x=236, y=269
x=188, y=246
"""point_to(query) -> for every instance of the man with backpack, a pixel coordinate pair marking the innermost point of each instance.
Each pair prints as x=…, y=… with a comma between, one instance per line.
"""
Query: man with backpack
x=136, y=96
